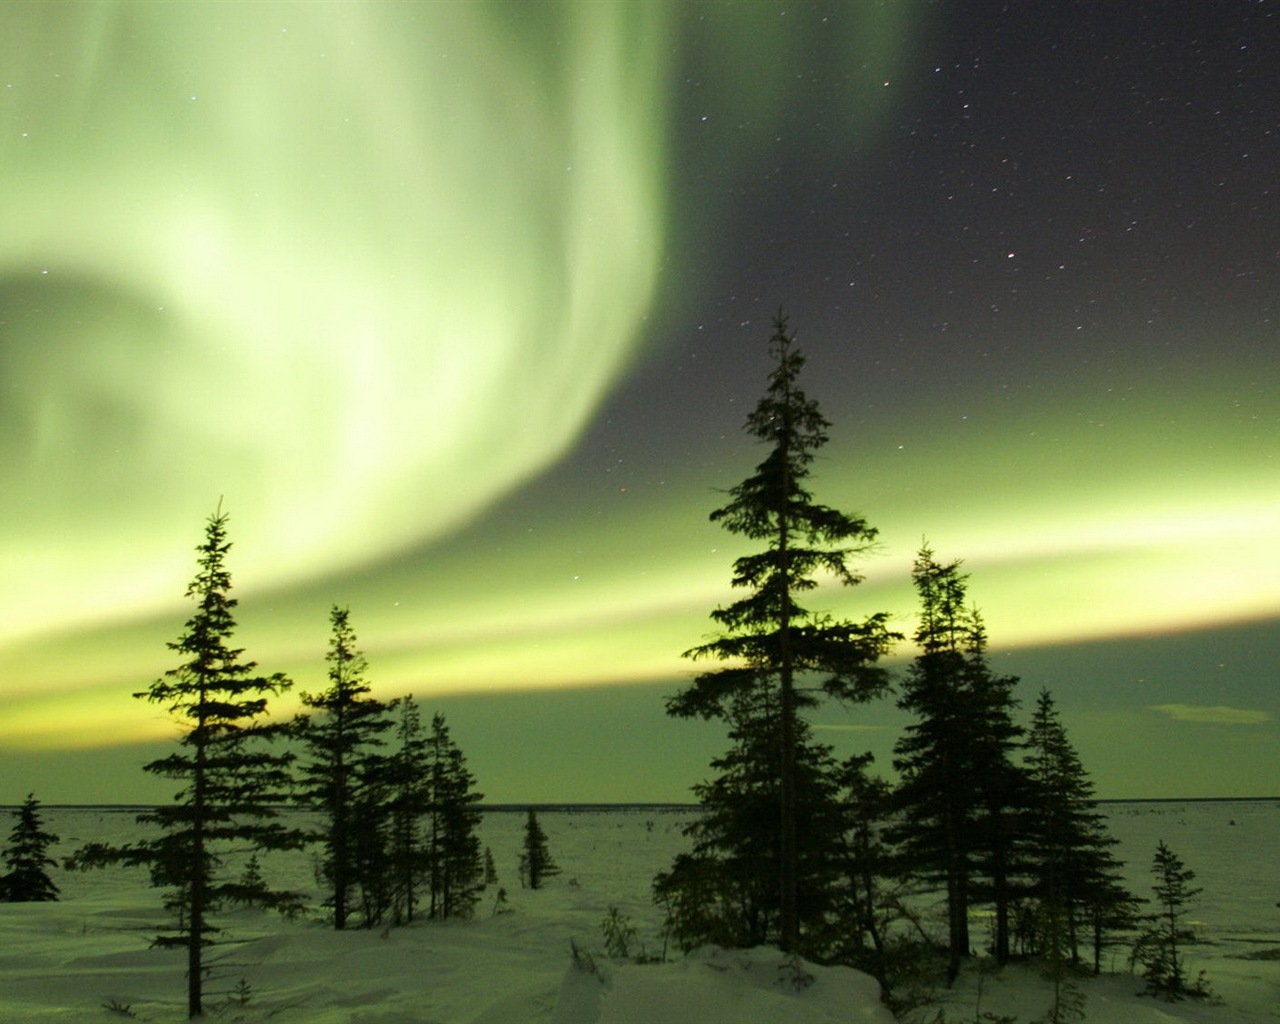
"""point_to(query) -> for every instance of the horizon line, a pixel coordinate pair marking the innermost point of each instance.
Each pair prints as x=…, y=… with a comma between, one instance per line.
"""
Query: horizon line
x=563, y=805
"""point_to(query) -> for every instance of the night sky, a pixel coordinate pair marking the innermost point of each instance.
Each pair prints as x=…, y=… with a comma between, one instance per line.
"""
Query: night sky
x=459, y=310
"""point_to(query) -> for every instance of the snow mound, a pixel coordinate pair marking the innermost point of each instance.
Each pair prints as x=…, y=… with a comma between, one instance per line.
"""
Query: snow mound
x=756, y=986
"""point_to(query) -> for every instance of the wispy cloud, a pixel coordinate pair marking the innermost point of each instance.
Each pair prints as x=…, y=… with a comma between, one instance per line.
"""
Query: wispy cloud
x=850, y=728
x=1217, y=714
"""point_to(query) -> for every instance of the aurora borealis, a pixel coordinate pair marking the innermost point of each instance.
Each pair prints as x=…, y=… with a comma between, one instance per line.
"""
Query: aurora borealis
x=458, y=308
x=260, y=235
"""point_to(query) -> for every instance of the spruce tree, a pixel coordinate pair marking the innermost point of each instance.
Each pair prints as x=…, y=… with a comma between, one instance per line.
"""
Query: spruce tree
x=408, y=794
x=867, y=865
x=1159, y=949
x=26, y=859
x=340, y=738
x=725, y=890
x=768, y=641
x=1078, y=882
x=373, y=821
x=231, y=781
x=1004, y=859
x=961, y=795
x=455, y=866
x=536, y=863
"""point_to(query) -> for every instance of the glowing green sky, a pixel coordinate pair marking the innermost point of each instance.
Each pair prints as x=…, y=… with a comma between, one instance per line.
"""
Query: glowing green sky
x=458, y=308
x=360, y=268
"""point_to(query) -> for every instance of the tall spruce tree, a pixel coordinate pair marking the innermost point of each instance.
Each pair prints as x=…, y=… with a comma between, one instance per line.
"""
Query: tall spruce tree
x=26, y=859
x=340, y=737
x=455, y=864
x=768, y=640
x=408, y=793
x=960, y=794
x=1078, y=882
x=231, y=782
x=1004, y=854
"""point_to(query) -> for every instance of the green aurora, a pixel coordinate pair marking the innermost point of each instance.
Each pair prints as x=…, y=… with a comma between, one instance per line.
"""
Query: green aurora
x=231, y=223
x=373, y=275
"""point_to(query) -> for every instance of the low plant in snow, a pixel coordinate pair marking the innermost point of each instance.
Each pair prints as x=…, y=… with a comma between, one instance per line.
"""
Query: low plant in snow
x=619, y=933
x=1159, y=949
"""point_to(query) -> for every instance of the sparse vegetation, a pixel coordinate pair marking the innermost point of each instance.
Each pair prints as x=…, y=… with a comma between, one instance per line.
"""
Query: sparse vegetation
x=618, y=933
x=1160, y=949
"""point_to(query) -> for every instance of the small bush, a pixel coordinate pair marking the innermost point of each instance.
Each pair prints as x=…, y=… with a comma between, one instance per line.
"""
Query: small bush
x=1159, y=949
x=618, y=933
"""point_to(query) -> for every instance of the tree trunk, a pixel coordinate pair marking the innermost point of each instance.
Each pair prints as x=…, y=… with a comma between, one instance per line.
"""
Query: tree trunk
x=790, y=898
x=1000, y=886
x=195, y=966
x=340, y=844
x=957, y=900
x=197, y=894
x=957, y=923
x=790, y=923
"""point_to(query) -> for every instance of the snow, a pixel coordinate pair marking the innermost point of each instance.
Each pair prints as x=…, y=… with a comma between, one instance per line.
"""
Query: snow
x=757, y=986
x=71, y=961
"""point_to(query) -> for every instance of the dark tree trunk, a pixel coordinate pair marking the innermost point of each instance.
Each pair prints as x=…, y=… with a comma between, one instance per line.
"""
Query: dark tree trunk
x=957, y=900
x=789, y=875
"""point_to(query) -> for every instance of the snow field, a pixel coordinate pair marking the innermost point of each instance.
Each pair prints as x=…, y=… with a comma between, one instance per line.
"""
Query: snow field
x=72, y=960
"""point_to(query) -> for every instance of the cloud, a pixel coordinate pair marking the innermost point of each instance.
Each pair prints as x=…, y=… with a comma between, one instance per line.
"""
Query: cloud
x=851, y=728
x=1215, y=714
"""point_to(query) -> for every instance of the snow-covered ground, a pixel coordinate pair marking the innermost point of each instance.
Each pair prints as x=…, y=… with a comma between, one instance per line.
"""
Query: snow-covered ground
x=86, y=958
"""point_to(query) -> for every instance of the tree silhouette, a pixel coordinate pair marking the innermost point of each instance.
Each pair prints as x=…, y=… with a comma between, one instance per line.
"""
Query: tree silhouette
x=725, y=890
x=536, y=864
x=408, y=794
x=768, y=640
x=455, y=864
x=231, y=782
x=1160, y=948
x=1077, y=880
x=340, y=738
x=960, y=793
x=26, y=859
